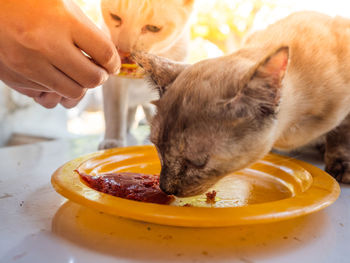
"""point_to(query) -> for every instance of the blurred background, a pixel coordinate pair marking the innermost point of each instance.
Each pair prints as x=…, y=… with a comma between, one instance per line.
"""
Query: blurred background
x=217, y=27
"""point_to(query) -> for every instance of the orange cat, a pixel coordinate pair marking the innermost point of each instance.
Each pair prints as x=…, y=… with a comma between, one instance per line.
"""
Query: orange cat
x=155, y=26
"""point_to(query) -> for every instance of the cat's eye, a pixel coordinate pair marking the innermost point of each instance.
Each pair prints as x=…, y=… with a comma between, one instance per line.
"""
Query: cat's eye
x=198, y=164
x=117, y=19
x=151, y=28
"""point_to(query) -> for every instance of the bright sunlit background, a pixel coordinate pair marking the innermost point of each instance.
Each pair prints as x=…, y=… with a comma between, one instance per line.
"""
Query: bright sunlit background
x=217, y=27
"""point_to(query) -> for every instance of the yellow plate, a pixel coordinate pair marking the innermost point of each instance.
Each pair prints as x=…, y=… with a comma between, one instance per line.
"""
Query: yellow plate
x=273, y=189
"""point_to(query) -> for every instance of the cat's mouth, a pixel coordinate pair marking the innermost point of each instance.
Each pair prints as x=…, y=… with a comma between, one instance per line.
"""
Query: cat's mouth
x=127, y=60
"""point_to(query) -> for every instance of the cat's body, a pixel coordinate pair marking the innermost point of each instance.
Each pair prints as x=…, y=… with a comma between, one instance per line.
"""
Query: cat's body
x=149, y=25
x=289, y=86
x=316, y=89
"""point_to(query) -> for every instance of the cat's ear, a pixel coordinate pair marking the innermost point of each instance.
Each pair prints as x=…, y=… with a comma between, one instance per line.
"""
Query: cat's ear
x=162, y=71
x=266, y=80
x=260, y=93
x=274, y=66
x=188, y=2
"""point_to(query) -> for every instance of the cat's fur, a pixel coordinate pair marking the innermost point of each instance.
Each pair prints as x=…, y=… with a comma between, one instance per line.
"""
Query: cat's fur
x=289, y=86
x=121, y=96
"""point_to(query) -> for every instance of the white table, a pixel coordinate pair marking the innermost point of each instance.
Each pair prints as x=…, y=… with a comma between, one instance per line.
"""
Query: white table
x=38, y=225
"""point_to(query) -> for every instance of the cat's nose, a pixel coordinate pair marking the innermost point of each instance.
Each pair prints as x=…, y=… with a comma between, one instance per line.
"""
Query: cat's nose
x=167, y=188
x=169, y=191
x=164, y=183
x=124, y=54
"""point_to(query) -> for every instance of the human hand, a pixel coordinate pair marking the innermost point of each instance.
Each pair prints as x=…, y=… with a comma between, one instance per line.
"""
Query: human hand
x=41, y=44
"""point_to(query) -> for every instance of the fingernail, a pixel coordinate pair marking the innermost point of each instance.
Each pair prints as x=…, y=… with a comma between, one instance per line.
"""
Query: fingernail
x=117, y=71
x=105, y=77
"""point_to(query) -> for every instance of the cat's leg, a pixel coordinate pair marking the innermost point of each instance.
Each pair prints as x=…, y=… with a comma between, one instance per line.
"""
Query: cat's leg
x=149, y=111
x=337, y=152
x=115, y=104
x=131, y=117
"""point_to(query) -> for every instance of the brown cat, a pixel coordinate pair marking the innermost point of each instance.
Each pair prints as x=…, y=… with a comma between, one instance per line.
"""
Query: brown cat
x=289, y=86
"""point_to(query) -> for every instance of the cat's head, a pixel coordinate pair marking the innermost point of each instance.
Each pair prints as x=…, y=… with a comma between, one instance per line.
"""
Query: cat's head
x=147, y=25
x=213, y=117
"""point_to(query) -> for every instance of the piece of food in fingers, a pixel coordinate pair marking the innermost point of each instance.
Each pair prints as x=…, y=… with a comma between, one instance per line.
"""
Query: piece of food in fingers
x=130, y=69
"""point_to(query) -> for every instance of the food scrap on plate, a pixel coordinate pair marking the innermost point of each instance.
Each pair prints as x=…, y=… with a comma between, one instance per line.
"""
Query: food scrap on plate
x=211, y=197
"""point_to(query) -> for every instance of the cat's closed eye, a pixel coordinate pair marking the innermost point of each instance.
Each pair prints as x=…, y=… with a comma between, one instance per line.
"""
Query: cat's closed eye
x=151, y=28
x=117, y=19
x=198, y=164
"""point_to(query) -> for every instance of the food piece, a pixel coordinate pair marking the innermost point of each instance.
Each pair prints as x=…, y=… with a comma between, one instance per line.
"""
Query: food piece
x=133, y=186
x=211, y=197
x=130, y=69
x=187, y=205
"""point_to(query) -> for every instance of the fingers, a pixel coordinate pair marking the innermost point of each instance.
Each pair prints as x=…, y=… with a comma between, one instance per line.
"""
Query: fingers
x=42, y=95
x=69, y=103
x=73, y=63
x=33, y=90
x=53, y=62
x=45, y=59
x=97, y=45
x=40, y=71
x=48, y=99
x=28, y=92
x=36, y=67
x=16, y=81
x=54, y=79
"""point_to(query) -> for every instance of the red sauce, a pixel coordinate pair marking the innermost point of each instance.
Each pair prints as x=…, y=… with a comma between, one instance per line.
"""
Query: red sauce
x=133, y=186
